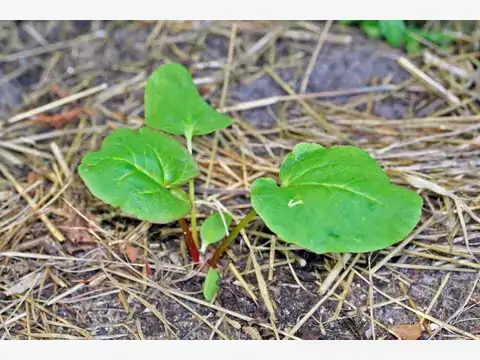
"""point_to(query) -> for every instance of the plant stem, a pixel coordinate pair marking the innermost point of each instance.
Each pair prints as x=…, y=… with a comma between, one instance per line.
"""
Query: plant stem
x=188, y=238
x=193, y=214
x=191, y=190
x=228, y=240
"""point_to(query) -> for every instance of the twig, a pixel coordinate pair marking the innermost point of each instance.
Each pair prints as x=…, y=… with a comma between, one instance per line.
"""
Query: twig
x=57, y=103
x=313, y=59
x=437, y=87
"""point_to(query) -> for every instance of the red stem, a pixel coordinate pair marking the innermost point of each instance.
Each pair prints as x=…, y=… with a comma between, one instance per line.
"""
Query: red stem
x=189, y=239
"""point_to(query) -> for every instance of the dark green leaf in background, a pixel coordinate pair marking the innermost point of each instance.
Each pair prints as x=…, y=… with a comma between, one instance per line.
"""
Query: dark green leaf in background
x=394, y=31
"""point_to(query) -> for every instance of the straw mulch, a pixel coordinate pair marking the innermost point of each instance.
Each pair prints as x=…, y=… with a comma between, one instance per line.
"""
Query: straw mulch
x=72, y=267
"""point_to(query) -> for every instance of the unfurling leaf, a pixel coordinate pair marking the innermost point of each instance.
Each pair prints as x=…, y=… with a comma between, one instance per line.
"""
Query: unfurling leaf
x=210, y=286
x=214, y=228
x=335, y=200
x=141, y=172
x=173, y=104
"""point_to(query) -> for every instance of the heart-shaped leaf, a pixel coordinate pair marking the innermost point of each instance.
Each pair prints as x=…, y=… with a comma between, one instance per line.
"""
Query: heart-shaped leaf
x=335, y=200
x=140, y=172
x=173, y=104
x=210, y=286
x=214, y=228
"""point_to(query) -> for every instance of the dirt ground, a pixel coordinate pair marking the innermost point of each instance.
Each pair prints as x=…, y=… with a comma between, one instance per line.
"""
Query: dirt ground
x=86, y=287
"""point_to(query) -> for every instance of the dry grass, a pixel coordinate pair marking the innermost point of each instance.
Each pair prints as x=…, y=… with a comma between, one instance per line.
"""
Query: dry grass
x=61, y=249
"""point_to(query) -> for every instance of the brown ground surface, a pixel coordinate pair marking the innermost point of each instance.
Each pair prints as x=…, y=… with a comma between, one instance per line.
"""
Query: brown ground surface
x=85, y=287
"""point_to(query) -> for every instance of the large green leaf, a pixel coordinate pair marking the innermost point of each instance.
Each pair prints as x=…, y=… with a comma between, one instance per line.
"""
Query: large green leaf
x=394, y=31
x=335, y=200
x=210, y=286
x=214, y=228
x=173, y=104
x=140, y=172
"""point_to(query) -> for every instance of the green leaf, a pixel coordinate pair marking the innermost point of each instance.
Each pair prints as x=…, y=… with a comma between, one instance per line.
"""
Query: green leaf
x=394, y=31
x=210, y=286
x=435, y=37
x=371, y=28
x=140, y=172
x=413, y=46
x=347, y=22
x=335, y=200
x=213, y=229
x=173, y=104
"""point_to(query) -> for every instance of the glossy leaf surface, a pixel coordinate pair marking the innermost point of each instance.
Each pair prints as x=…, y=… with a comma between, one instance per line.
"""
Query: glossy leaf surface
x=214, y=228
x=210, y=286
x=141, y=172
x=335, y=200
x=173, y=104
x=394, y=31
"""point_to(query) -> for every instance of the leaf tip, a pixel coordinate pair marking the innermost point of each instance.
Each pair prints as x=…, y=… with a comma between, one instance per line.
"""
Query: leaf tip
x=210, y=286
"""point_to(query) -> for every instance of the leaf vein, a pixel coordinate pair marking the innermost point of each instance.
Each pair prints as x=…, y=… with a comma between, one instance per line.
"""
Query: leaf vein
x=123, y=177
x=340, y=187
x=296, y=176
x=160, y=162
x=134, y=165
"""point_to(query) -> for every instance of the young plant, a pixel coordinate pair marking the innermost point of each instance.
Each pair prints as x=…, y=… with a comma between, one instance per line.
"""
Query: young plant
x=400, y=33
x=141, y=172
x=329, y=200
x=173, y=105
x=335, y=200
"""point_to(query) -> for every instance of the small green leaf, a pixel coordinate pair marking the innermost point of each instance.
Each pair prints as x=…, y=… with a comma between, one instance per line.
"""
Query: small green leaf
x=140, y=172
x=210, y=286
x=213, y=229
x=347, y=22
x=335, y=200
x=371, y=28
x=435, y=37
x=394, y=31
x=413, y=46
x=173, y=104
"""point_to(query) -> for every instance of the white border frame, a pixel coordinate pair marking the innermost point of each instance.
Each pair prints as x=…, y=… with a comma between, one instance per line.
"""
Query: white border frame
x=244, y=350
x=238, y=10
